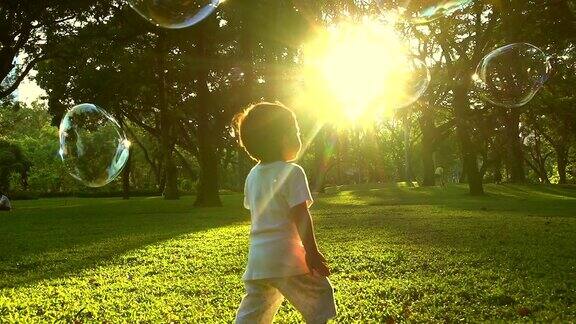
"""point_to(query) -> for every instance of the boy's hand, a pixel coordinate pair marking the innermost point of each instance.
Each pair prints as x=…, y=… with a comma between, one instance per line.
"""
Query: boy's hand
x=314, y=259
x=317, y=262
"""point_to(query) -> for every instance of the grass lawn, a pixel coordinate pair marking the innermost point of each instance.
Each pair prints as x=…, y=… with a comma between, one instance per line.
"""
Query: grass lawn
x=397, y=254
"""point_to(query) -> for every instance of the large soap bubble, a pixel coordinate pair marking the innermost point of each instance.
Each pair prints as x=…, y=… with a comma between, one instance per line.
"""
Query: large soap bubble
x=93, y=148
x=174, y=14
x=510, y=76
x=413, y=81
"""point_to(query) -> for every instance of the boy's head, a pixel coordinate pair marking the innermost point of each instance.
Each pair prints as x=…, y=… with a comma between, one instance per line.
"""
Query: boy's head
x=269, y=132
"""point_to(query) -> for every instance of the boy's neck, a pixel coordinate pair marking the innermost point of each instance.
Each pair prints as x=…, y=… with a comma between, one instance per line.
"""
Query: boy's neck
x=271, y=161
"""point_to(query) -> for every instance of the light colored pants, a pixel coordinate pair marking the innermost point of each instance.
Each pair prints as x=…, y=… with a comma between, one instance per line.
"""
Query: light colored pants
x=311, y=295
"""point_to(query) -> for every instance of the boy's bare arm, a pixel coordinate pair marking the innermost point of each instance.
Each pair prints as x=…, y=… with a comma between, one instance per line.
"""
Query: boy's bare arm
x=314, y=259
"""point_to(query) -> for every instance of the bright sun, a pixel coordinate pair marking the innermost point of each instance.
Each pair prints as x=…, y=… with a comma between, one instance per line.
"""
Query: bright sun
x=357, y=72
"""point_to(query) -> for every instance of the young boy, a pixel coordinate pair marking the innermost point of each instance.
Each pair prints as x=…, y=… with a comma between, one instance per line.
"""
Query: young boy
x=283, y=259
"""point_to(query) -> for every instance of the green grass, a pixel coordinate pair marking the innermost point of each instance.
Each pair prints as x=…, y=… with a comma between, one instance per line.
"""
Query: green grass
x=397, y=254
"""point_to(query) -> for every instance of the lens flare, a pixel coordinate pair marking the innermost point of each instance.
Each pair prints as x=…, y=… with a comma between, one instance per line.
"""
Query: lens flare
x=356, y=72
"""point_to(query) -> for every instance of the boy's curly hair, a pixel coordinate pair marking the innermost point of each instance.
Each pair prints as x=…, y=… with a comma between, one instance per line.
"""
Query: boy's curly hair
x=262, y=127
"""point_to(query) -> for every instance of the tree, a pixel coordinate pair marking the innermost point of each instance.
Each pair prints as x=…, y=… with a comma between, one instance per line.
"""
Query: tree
x=12, y=160
x=108, y=71
x=474, y=32
x=24, y=28
x=176, y=91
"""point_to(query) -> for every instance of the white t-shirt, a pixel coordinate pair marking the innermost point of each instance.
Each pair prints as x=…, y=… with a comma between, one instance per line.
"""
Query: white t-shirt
x=5, y=202
x=276, y=249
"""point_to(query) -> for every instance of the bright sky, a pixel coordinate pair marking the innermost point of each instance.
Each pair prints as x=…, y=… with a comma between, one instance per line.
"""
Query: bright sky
x=28, y=91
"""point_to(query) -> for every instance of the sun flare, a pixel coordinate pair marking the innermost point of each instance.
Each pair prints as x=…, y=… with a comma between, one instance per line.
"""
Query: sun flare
x=356, y=72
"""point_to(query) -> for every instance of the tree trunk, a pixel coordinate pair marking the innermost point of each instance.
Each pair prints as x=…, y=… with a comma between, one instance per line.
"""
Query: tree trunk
x=321, y=160
x=207, y=195
x=162, y=180
x=207, y=192
x=156, y=169
x=470, y=165
x=407, y=152
x=543, y=173
x=431, y=136
x=428, y=142
x=562, y=162
x=539, y=164
x=427, y=153
x=516, y=158
x=498, y=169
x=338, y=160
x=170, y=190
x=246, y=91
x=463, y=176
x=428, y=165
x=171, y=181
x=126, y=178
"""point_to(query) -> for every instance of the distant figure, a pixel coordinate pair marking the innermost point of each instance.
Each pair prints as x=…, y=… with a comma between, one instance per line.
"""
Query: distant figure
x=440, y=176
x=4, y=203
x=283, y=258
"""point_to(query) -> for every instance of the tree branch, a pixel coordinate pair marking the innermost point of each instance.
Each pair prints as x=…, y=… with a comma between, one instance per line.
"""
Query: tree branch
x=7, y=91
x=144, y=150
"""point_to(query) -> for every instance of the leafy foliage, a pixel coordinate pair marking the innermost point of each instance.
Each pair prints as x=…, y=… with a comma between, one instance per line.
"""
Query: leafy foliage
x=175, y=92
x=12, y=160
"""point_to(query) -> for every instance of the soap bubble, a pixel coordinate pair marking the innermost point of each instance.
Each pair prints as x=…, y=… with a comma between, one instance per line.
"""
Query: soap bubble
x=406, y=82
x=174, y=14
x=424, y=11
x=421, y=12
x=510, y=76
x=413, y=81
x=93, y=148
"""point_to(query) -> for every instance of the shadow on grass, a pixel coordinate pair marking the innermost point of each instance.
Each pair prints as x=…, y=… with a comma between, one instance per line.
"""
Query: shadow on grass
x=533, y=199
x=518, y=234
x=59, y=237
x=526, y=219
